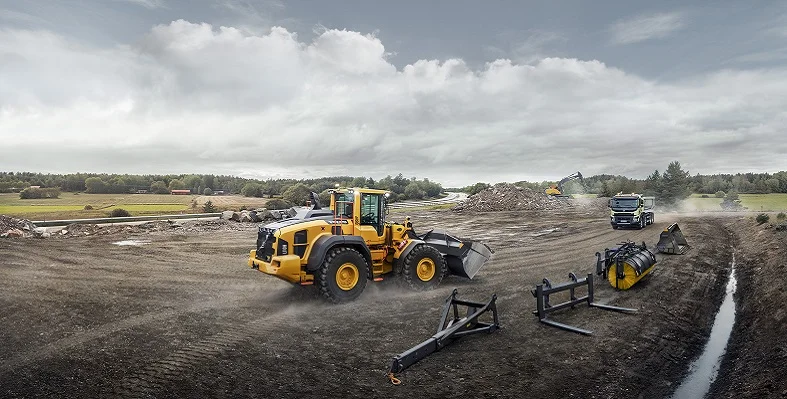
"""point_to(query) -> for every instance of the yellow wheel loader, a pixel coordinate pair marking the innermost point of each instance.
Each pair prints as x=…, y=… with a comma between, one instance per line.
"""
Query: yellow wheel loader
x=341, y=248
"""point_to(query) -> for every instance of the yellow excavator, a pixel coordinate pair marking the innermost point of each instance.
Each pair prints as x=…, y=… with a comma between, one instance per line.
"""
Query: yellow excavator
x=556, y=190
x=341, y=248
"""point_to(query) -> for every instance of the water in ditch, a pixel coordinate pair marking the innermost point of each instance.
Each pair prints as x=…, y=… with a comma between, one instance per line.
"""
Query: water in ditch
x=704, y=370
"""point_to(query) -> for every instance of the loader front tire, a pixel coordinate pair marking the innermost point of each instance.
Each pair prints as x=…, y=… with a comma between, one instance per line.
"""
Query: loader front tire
x=342, y=276
x=424, y=268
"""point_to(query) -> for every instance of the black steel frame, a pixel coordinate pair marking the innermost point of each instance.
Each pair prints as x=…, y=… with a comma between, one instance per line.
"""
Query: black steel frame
x=450, y=329
x=543, y=307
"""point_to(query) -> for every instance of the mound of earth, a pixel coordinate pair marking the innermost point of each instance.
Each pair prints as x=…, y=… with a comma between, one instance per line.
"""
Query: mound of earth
x=508, y=197
x=13, y=227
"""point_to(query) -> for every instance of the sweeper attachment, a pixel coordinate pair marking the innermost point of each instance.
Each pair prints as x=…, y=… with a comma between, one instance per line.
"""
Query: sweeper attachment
x=448, y=329
x=544, y=290
x=672, y=241
x=625, y=265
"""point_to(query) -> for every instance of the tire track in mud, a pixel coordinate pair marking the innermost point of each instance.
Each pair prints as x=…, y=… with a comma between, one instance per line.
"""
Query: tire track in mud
x=53, y=348
x=154, y=377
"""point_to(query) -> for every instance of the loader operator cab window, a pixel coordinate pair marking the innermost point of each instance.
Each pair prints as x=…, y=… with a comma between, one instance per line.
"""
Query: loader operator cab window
x=344, y=206
x=371, y=211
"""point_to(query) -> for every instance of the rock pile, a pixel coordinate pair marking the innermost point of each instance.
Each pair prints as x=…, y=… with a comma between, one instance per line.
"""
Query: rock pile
x=258, y=215
x=508, y=197
x=13, y=227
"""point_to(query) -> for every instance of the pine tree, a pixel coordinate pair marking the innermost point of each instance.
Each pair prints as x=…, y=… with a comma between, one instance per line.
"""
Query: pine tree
x=674, y=185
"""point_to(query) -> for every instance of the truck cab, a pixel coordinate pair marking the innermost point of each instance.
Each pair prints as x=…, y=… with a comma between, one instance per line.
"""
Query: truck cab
x=631, y=210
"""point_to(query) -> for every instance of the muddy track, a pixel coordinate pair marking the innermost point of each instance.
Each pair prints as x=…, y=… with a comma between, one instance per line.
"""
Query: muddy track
x=184, y=316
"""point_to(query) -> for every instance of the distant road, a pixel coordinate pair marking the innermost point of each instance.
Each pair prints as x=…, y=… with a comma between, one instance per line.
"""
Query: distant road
x=451, y=198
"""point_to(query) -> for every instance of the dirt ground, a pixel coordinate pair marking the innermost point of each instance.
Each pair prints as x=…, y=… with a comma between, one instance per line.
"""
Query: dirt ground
x=756, y=359
x=184, y=316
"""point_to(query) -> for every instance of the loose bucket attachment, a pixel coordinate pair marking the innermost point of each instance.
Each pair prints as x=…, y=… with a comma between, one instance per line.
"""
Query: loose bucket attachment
x=672, y=241
x=464, y=258
x=626, y=265
x=449, y=329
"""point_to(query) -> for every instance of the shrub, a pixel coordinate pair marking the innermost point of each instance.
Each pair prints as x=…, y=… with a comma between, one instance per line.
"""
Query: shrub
x=277, y=204
x=209, y=207
x=36, y=193
x=207, y=191
x=762, y=218
x=781, y=216
x=720, y=194
x=88, y=207
x=704, y=196
x=119, y=213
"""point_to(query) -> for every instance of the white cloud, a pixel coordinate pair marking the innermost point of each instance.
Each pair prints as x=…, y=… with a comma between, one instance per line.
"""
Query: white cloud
x=646, y=27
x=194, y=98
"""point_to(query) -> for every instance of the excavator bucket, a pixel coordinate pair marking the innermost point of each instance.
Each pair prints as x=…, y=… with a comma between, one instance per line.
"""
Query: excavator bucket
x=672, y=241
x=464, y=258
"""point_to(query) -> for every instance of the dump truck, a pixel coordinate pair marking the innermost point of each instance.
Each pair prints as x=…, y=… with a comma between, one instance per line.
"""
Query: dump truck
x=556, y=190
x=633, y=210
x=341, y=248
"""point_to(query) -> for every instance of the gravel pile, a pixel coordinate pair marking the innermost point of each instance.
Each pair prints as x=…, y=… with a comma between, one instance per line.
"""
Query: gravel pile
x=13, y=227
x=189, y=226
x=508, y=197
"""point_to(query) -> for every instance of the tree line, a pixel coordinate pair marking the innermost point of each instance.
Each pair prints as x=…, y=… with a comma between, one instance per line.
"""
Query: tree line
x=672, y=185
x=294, y=191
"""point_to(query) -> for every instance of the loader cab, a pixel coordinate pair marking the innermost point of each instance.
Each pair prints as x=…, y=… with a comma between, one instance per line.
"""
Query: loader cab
x=365, y=209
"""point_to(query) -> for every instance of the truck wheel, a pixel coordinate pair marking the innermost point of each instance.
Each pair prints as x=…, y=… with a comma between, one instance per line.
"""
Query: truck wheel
x=342, y=276
x=642, y=222
x=424, y=268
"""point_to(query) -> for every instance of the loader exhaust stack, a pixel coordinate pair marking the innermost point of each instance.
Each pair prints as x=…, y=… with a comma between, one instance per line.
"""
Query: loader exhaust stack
x=672, y=241
x=464, y=258
x=626, y=265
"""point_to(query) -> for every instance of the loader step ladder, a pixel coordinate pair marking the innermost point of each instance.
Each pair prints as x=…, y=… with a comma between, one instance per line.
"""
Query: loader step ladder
x=543, y=307
x=448, y=330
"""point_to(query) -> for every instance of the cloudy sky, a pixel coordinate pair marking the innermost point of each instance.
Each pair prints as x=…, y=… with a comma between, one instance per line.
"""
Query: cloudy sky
x=454, y=90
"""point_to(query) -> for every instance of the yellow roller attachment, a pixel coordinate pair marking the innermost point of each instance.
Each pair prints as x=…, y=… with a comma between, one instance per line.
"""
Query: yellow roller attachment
x=630, y=278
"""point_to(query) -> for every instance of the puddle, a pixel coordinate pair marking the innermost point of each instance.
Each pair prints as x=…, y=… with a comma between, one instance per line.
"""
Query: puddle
x=135, y=243
x=704, y=370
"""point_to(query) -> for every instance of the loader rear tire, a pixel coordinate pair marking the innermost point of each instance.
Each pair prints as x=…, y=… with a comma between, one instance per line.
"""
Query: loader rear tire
x=342, y=276
x=424, y=268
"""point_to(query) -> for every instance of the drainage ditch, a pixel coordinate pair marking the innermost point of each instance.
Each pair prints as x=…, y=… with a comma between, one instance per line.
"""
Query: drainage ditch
x=704, y=370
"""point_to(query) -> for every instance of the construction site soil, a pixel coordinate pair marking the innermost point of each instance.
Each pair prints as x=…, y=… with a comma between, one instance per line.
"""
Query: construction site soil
x=180, y=314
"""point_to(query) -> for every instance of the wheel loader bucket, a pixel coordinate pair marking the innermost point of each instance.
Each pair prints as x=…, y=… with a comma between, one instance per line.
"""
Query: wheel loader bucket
x=672, y=241
x=464, y=258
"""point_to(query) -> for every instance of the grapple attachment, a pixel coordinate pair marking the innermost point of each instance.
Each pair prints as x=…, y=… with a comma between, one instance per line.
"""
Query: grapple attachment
x=464, y=258
x=672, y=241
x=626, y=265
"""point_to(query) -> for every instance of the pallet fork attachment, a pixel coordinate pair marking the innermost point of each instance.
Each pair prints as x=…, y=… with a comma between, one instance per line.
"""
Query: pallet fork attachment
x=543, y=306
x=449, y=329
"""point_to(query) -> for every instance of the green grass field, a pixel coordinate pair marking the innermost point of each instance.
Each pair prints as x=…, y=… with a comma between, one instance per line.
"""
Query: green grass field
x=755, y=202
x=71, y=205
